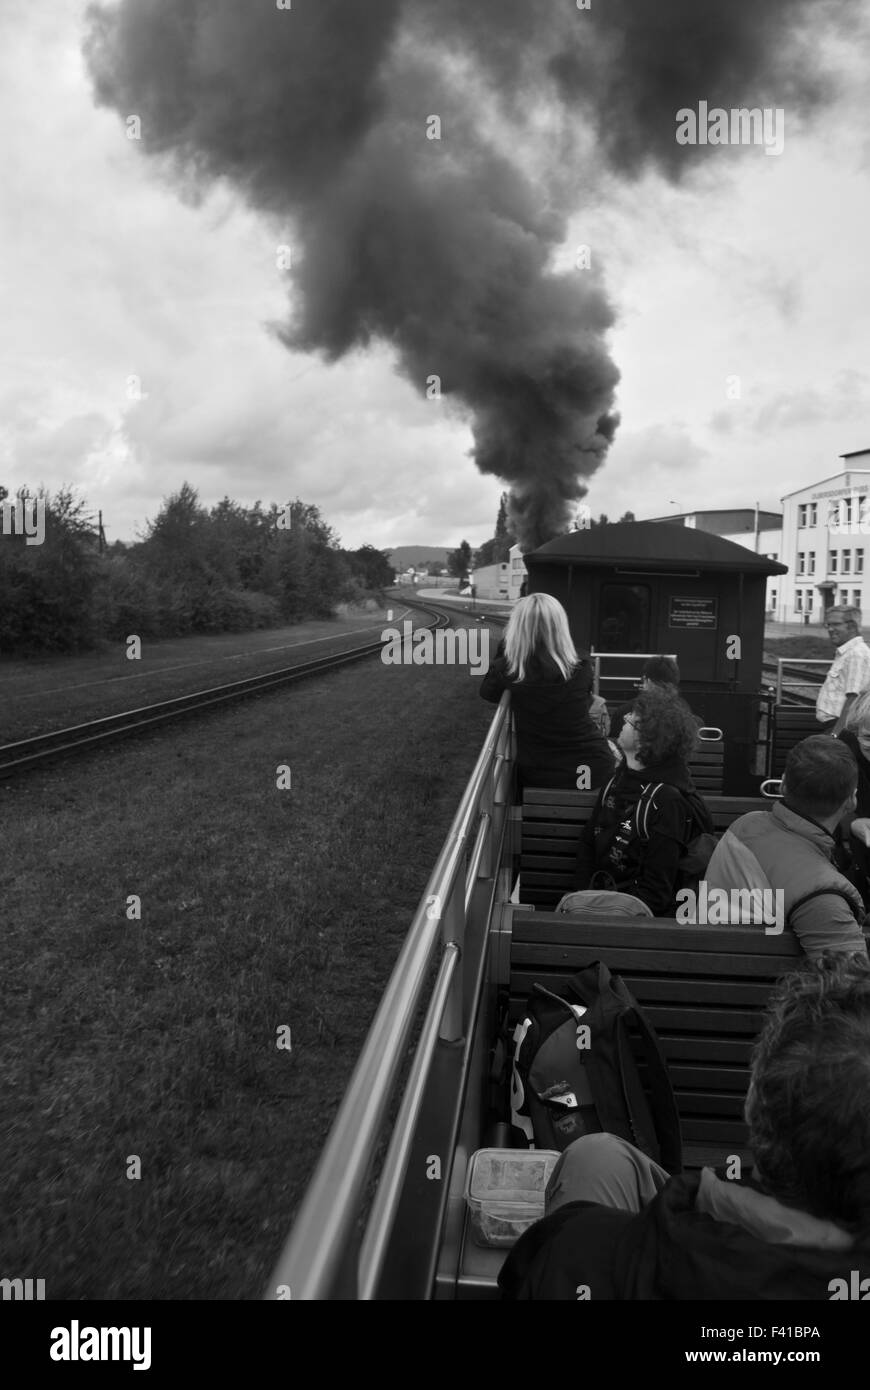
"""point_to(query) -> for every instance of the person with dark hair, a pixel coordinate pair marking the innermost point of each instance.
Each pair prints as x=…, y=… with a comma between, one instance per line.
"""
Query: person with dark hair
x=617, y=1226
x=551, y=695
x=657, y=673
x=789, y=849
x=623, y=851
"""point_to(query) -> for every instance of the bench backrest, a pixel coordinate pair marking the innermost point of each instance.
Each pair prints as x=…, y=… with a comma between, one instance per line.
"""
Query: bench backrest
x=791, y=724
x=703, y=988
x=551, y=821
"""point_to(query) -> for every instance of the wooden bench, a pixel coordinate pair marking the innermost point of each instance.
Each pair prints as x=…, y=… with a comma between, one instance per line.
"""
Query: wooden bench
x=791, y=723
x=707, y=764
x=704, y=989
x=551, y=821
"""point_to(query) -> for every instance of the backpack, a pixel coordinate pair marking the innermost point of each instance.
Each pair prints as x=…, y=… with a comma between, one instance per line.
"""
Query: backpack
x=575, y=1073
x=700, y=838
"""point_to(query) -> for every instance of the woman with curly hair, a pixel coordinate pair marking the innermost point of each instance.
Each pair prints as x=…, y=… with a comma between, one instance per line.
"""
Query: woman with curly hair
x=551, y=695
x=634, y=842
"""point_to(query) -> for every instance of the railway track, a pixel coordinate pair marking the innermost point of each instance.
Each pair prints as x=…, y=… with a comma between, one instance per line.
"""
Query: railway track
x=26, y=754
x=812, y=676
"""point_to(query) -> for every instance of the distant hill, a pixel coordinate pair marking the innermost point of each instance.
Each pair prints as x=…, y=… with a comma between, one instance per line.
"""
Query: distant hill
x=406, y=556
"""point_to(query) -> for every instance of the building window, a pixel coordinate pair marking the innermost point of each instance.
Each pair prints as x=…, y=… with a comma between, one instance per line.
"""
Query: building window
x=847, y=511
x=844, y=596
x=832, y=561
x=812, y=514
x=802, y=562
x=859, y=561
x=798, y=600
x=811, y=562
x=856, y=598
x=809, y=602
x=773, y=598
x=846, y=567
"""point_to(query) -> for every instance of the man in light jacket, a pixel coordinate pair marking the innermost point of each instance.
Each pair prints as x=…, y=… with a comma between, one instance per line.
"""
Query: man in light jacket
x=790, y=847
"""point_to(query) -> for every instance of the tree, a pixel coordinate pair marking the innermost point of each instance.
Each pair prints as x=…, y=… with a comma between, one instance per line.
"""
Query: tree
x=504, y=537
x=371, y=567
x=485, y=555
x=459, y=561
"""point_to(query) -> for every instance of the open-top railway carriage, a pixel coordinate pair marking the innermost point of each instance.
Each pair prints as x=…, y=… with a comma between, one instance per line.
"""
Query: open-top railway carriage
x=386, y=1218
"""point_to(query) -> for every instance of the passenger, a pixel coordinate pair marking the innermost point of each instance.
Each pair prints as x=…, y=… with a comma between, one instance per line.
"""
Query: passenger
x=850, y=670
x=789, y=849
x=617, y=1226
x=551, y=693
x=657, y=673
x=615, y=852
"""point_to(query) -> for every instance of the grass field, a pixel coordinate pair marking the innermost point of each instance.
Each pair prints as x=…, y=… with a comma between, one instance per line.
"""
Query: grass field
x=156, y=1039
x=45, y=693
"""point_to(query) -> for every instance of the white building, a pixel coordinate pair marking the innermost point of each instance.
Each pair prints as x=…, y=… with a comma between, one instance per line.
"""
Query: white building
x=502, y=581
x=823, y=536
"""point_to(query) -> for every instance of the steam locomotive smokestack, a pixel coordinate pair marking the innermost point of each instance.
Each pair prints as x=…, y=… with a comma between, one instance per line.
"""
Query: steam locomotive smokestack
x=437, y=236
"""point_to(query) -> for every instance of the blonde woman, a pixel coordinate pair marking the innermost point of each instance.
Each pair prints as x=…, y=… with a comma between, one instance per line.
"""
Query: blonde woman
x=551, y=694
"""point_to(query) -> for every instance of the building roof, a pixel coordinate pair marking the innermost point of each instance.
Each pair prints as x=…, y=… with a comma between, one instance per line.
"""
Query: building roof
x=653, y=546
x=743, y=518
x=856, y=453
x=807, y=487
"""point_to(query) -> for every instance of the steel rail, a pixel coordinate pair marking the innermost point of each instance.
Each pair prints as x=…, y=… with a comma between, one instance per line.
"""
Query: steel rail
x=26, y=754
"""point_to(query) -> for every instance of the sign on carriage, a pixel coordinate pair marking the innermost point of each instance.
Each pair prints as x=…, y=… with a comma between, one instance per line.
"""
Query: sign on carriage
x=693, y=613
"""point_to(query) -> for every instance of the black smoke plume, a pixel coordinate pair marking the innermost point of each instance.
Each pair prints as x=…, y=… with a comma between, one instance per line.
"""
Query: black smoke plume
x=443, y=248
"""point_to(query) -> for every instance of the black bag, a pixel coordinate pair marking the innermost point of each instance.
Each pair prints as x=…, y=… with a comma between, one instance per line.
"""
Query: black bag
x=575, y=1072
x=701, y=840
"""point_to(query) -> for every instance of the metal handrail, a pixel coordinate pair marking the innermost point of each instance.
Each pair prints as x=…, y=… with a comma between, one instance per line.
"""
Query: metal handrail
x=619, y=656
x=781, y=661
x=326, y=1221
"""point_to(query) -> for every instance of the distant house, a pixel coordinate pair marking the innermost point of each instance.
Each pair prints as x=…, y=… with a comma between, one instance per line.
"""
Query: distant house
x=502, y=581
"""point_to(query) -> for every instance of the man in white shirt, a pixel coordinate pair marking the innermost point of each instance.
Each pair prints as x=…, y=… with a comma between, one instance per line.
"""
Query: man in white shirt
x=850, y=670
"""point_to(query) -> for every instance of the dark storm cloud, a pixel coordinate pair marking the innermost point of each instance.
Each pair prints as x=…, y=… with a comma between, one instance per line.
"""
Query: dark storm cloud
x=442, y=248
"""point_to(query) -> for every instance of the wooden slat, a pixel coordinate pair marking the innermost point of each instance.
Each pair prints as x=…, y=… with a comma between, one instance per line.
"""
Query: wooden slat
x=716, y=991
x=534, y=955
x=733, y=1079
x=662, y=932
x=714, y=1131
x=552, y=863
x=708, y=1020
x=710, y=1103
x=697, y=1049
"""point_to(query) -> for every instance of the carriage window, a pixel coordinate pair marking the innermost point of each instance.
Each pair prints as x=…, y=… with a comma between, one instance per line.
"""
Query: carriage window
x=623, y=624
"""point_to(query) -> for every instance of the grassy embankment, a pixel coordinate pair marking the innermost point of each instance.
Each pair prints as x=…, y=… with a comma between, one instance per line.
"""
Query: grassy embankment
x=38, y=694
x=260, y=907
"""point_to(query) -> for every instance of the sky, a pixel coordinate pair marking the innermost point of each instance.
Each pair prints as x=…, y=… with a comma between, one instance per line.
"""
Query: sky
x=137, y=342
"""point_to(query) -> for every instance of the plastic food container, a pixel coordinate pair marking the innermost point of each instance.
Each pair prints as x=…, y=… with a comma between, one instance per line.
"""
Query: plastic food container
x=504, y=1191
